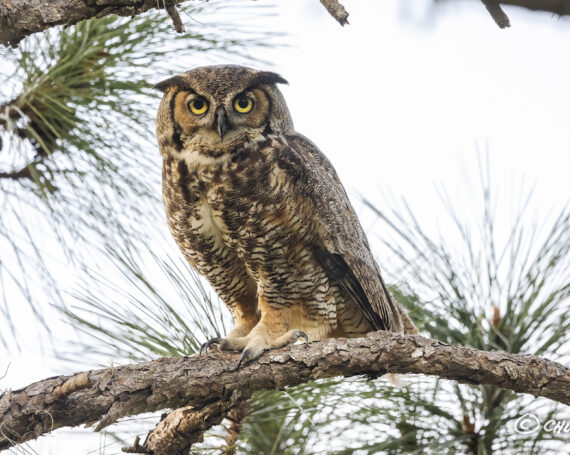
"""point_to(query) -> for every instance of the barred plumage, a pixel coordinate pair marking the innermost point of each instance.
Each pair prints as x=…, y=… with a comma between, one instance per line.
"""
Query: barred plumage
x=259, y=211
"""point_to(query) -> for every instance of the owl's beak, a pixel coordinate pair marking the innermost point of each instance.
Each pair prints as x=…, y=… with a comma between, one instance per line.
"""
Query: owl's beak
x=221, y=123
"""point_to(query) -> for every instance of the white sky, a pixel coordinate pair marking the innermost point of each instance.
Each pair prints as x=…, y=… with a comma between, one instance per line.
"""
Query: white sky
x=397, y=104
x=399, y=100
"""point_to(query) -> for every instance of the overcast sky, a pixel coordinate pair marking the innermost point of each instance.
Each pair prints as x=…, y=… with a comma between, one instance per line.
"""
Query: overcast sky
x=397, y=102
x=405, y=97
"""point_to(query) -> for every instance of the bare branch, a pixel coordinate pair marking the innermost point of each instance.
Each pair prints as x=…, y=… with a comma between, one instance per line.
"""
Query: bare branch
x=185, y=426
x=212, y=385
x=497, y=13
x=336, y=10
x=20, y=18
x=173, y=13
x=236, y=417
x=558, y=7
x=17, y=174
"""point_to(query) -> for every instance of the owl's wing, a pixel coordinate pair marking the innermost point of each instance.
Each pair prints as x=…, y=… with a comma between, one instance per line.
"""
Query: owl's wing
x=344, y=251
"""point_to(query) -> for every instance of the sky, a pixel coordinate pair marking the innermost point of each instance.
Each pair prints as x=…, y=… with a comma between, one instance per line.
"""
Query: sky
x=404, y=100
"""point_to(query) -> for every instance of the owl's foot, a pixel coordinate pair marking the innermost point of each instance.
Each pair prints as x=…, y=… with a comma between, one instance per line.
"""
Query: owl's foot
x=209, y=343
x=253, y=345
x=257, y=344
x=227, y=344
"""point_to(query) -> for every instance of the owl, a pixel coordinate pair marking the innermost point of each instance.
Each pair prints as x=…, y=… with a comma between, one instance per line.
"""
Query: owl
x=260, y=212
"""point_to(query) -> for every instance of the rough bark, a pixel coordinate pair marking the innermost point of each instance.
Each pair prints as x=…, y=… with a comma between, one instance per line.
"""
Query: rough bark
x=20, y=18
x=208, y=387
x=236, y=417
x=336, y=10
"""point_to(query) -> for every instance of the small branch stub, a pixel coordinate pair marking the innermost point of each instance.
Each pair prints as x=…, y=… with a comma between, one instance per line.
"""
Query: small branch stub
x=336, y=10
x=176, y=20
x=497, y=13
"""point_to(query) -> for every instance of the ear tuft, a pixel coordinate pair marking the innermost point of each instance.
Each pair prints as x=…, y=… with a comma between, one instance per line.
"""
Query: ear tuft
x=175, y=81
x=268, y=77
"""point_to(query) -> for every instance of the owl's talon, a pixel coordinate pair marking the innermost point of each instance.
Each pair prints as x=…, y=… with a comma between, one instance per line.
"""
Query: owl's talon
x=245, y=357
x=208, y=343
x=257, y=347
x=303, y=335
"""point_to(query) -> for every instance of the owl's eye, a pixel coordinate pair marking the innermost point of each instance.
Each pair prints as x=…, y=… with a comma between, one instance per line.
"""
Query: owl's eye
x=198, y=106
x=243, y=104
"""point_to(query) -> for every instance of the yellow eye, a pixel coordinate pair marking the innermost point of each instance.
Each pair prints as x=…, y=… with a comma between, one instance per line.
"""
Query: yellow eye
x=198, y=106
x=243, y=104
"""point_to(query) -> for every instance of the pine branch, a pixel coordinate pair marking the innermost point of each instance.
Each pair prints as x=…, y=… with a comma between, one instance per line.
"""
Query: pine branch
x=211, y=386
x=20, y=18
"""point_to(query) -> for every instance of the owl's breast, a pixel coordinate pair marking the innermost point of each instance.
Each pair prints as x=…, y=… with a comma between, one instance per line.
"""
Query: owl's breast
x=263, y=218
x=248, y=207
x=211, y=207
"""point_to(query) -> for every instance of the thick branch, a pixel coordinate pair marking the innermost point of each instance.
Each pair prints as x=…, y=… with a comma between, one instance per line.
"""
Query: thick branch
x=558, y=7
x=20, y=18
x=107, y=395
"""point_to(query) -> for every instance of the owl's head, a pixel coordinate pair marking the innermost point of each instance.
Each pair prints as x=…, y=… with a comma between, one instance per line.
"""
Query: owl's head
x=213, y=110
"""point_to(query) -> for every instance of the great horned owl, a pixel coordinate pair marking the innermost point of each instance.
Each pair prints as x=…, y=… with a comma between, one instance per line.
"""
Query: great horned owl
x=260, y=212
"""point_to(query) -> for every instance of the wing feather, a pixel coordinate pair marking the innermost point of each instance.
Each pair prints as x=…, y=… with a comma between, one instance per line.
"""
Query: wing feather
x=343, y=251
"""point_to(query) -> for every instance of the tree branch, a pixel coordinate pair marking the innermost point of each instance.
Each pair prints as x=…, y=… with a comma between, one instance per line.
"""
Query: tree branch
x=209, y=386
x=176, y=20
x=558, y=7
x=236, y=417
x=20, y=18
x=336, y=10
x=497, y=13
x=17, y=174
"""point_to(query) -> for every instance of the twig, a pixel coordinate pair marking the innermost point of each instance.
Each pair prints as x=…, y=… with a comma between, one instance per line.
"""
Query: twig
x=497, y=13
x=17, y=174
x=336, y=10
x=176, y=20
x=236, y=417
x=6, y=372
x=135, y=448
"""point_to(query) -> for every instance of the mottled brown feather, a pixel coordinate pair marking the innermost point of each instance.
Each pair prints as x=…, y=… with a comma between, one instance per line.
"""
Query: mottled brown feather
x=347, y=256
